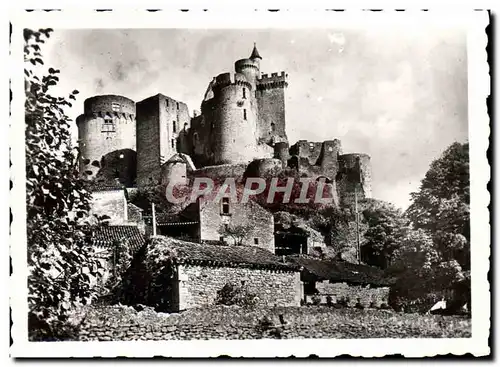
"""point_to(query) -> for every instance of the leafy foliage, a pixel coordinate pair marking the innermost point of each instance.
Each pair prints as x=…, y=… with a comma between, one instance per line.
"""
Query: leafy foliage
x=441, y=206
x=434, y=260
x=232, y=294
x=387, y=225
x=237, y=232
x=122, y=258
x=62, y=270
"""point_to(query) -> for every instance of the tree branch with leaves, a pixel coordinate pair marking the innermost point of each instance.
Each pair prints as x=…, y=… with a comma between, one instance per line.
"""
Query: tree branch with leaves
x=62, y=268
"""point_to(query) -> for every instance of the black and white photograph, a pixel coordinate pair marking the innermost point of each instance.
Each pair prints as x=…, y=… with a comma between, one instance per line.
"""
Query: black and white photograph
x=259, y=184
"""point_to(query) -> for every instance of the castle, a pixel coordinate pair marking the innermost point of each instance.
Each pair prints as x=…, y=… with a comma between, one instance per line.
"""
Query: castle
x=242, y=125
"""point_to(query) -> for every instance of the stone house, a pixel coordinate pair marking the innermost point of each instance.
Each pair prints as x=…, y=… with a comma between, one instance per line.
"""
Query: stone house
x=174, y=275
x=208, y=221
x=332, y=281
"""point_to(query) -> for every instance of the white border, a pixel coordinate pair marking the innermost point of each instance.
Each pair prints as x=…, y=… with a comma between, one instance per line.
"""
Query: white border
x=478, y=135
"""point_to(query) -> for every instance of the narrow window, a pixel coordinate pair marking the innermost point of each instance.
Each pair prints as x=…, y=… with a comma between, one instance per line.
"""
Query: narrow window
x=226, y=227
x=174, y=127
x=177, y=105
x=225, y=205
x=255, y=241
x=108, y=126
x=173, y=143
x=273, y=127
x=244, y=114
x=244, y=93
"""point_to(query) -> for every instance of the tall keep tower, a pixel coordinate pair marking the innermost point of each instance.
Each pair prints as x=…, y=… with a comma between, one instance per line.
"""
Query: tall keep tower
x=107, y=125
x=243, y=115
x=234, y=136
x=160, y=119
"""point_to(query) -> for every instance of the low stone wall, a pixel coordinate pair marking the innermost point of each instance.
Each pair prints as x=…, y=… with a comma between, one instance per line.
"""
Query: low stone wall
x=124, y=323
x=351, y=294
x=198, y=285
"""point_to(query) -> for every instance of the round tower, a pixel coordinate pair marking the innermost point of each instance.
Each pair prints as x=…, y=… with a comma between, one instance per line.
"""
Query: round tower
x=106, y=125
x=250, y=67
x=235, y=120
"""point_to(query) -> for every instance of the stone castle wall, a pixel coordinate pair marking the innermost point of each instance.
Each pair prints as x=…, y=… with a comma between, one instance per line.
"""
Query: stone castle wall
x=235, y=120
x=107, y=124
x=270, y=96
x=354, y=174
x=198, y=285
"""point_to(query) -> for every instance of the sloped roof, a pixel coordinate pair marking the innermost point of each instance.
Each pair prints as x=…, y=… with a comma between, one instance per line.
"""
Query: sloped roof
x=105, y=236
x=181, y=158
x=255, y=53
x=184, y=252
x=341, y=271
x=105, y=186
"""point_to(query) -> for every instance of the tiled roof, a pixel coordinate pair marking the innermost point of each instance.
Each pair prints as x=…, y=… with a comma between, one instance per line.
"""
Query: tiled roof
x=341, y=271
x=184, y=252
x=105, y=236
x=98, y=186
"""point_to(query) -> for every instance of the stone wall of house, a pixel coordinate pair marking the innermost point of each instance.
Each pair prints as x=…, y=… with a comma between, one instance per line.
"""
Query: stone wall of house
x=350, y=294
x=198, y=285
x=259, y=223
x=110, y=203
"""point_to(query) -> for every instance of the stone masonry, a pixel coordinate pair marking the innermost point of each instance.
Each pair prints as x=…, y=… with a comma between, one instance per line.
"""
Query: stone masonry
x=198, y=285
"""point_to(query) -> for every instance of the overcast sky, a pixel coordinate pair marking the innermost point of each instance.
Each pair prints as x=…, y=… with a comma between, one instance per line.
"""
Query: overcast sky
x=399, y=95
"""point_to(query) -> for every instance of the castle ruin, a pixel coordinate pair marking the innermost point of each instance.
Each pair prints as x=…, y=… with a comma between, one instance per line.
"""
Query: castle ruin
x=242, y=123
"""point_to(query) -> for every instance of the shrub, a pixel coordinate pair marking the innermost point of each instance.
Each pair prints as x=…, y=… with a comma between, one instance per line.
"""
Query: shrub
x=316, y=300
x=231, y=294
x=264, y=324
x=329, y=300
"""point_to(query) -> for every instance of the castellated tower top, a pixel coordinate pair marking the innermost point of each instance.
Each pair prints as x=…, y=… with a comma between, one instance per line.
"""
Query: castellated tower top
x=255, y=53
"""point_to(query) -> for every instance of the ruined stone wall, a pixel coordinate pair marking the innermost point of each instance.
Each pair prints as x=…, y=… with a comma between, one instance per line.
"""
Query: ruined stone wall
x=198, y=285
x=352, y=294
x=307, y=149
x=270, y=96
x=124, y=323
x=200, y=136
x=107, y=124
x=110, y=203
x=354, y=170
x=281, y=152
x=234, y=137
x=258, y=222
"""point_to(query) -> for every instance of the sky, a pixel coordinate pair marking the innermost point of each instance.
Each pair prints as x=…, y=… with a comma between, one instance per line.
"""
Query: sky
x=399, y=95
